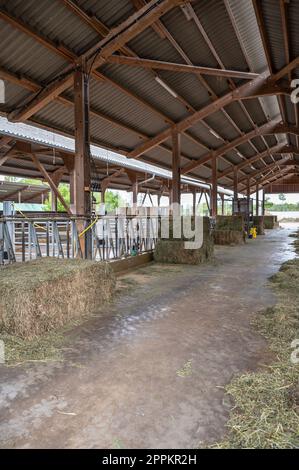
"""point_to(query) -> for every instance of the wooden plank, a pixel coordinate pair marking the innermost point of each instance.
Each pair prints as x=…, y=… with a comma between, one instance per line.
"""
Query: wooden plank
x=214, y=190
x=267, y=128
x=51, y=183
x=97, y=54
x=176, y=167
x=244, y=91
x=174, y=67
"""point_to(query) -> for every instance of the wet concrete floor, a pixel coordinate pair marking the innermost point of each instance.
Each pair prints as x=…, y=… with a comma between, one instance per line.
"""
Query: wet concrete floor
x=150, y=372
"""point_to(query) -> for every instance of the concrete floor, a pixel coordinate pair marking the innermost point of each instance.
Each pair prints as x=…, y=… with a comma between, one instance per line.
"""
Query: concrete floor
x=150, y=373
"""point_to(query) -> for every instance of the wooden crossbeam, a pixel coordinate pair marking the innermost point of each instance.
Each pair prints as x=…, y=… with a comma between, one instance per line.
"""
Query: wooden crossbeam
x=249, y=161
x=174, y=67
x=50, y=181
x=251, y=89
x=97, y=54
x=266, y=168
x=267, y=128
x=7, y=197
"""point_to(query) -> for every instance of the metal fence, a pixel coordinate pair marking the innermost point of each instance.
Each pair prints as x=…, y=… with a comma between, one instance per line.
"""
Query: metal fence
x=113, y=237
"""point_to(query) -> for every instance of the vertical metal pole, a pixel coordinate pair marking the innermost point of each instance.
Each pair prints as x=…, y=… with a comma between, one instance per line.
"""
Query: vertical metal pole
x=82, y=178
x=263, y=202
x=257, y=200
x=214, y=187
x=194, y=202
x=23, y=242
x=235, y=201
x=176, y=167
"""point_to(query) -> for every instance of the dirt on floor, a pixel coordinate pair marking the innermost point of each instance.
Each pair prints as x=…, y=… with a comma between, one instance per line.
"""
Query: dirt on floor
x=151, y=371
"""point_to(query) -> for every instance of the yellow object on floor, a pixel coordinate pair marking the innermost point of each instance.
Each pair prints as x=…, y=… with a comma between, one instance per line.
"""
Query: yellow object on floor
x=253, y=232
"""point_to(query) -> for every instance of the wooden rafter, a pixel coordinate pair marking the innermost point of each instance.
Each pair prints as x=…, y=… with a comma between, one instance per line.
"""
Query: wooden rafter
x=97, y=54
x=174, y=67
x=278, y=148
x=251, y=89
x=268, y=128
x=50, y=181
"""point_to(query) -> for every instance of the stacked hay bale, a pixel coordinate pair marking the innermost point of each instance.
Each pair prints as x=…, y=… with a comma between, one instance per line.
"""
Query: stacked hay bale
x=229, y=230
x=173, y=250
x=270, y=222
x=258, y=222
x=39, y=296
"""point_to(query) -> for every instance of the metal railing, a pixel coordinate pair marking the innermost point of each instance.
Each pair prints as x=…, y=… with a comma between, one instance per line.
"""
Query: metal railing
x=113, y=237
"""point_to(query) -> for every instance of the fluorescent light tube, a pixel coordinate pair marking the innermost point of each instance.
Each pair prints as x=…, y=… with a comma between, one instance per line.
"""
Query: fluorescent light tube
x=214, y=134
x=166, y=87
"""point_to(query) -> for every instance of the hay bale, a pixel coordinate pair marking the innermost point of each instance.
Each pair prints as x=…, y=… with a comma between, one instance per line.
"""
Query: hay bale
x=39, y=296
x=270, y=222
x=230, y=222
x=174, y=251
x=258, y=222
x=206, y=227
x=229, y=230
x=229, y=237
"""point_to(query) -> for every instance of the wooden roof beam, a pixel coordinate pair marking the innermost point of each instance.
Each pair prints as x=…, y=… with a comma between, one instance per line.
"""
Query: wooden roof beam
x=267, y=128
x=174, y=67
x=251, y=89
x=97, y=54
x=278, y=148
x=50, y=181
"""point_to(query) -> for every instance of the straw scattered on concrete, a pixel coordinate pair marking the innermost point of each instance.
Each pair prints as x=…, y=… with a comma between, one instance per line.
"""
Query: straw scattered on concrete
x=266, y=403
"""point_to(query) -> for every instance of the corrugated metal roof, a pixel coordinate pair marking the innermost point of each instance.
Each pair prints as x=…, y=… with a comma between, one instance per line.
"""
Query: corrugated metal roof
x=21, y=54
x=225, y=22
x=273, y=24
x=55, y=21
x=40, y=136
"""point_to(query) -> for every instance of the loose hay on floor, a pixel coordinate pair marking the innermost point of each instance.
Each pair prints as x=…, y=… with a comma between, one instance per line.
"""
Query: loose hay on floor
x=40, y=296
x=266, y=411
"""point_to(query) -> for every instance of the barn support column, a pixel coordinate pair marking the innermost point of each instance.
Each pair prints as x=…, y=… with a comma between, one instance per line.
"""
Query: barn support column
x=135, y=191
x=176, y=167
x=81, y=175
x=53, y=201
x=248, y=193
x=214, y=188
x=235, y=204
x=194, y=201
x=257, y=200
x=263, y=203
x=222, y=204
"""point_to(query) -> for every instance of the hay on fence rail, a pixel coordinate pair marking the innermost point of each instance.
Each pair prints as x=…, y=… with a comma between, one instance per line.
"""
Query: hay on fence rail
x=39, y=296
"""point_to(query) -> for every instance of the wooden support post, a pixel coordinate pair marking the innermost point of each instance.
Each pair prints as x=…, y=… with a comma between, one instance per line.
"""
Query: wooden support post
x=135, y=192
x=207, y=202
x=257, y=200
x=53, y=201
x=263, y=202
x=50, y=181
x=235, y=183
x=222, y=204
x=81, y=175
x=194, y=201
x=214, y=187
x=176, y=167
x=200, y=197
x=248, y=195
